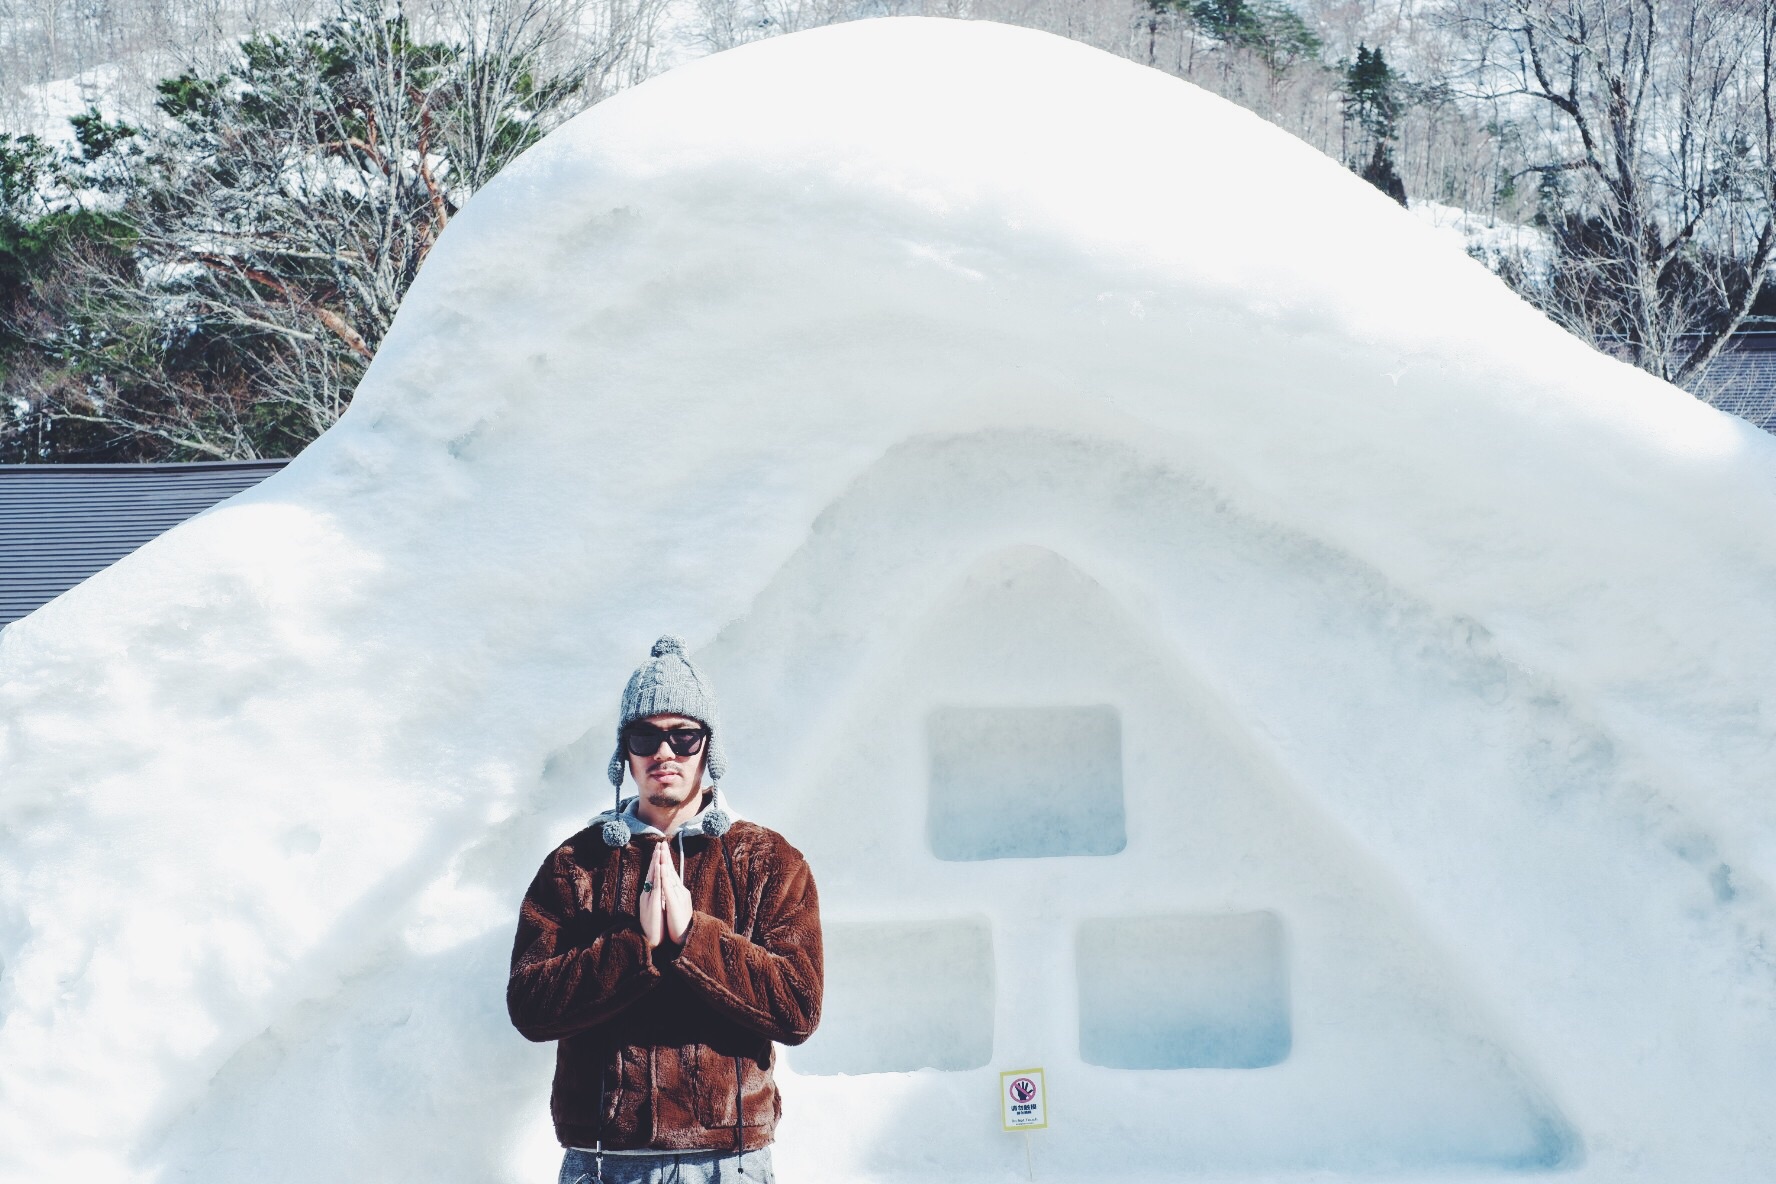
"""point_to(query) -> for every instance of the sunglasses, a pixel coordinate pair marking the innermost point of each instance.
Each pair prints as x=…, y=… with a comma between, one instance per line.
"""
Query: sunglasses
x=644, y=739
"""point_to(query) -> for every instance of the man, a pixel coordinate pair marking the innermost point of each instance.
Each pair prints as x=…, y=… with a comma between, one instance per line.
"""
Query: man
x=665, y=947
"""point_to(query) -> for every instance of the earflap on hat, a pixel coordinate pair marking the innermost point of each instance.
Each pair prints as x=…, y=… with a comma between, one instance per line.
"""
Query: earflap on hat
x=715, y=763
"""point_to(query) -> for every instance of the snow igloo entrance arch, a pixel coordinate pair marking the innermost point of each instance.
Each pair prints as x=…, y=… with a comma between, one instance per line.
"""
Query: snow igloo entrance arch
x=1043, y=837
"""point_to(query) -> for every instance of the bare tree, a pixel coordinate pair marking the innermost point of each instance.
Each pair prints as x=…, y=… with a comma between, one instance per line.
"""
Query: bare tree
x=551, y=56
x=1653, y=150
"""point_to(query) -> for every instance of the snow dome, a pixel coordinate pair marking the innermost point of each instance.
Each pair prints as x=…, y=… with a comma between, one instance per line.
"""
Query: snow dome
x=1211, y=641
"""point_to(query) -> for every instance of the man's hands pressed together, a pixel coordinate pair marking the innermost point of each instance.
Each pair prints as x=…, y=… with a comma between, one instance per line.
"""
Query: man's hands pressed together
x=664, y=904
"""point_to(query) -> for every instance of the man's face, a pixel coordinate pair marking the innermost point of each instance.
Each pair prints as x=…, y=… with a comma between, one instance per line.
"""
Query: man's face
x=664, y=778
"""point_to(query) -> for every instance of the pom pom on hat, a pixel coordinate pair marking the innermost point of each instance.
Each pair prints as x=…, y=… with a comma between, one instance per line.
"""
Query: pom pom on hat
x=614, y=832
x=669, y=644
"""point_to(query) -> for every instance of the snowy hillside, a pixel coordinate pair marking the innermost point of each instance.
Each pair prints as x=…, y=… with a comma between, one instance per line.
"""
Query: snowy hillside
x=1375, y=683
x=1488, y=240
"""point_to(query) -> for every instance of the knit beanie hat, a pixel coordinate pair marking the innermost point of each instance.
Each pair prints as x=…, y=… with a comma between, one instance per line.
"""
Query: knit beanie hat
x=667, y=683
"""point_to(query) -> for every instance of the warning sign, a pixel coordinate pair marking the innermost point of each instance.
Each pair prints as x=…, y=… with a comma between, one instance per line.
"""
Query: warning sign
x=1023, y=1099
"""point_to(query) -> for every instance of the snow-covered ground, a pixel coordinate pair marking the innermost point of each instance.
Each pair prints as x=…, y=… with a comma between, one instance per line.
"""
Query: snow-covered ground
x=1487, y=239
x=1213, y=643
x=44, y=110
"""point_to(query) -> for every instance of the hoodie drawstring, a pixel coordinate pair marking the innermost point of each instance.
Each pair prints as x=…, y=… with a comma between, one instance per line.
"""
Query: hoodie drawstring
x=598, y=1143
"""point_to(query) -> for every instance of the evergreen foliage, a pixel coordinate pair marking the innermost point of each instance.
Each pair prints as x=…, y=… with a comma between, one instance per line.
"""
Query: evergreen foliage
x=1372, y=93
x=1373, y=101
x=1269, y=29
x=37, y=235
x=212, y=285
x=1272, y=29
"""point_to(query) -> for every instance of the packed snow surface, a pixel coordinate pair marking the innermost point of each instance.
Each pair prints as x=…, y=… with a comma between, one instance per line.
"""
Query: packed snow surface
x=1212, y=642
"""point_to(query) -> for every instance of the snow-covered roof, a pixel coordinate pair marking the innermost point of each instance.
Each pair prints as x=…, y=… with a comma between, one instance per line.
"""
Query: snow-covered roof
x=60, y=524
x=1344, y=702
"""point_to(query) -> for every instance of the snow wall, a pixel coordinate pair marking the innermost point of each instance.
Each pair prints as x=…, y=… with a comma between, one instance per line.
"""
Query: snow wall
x=1211, y=640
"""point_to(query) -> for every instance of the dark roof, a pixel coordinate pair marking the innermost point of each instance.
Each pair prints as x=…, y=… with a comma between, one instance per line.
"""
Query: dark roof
x=1742, y=379
x=61, y=523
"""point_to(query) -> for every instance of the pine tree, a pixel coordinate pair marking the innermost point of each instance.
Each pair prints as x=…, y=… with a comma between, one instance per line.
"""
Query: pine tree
x=1270, y=29
x=1372, y=101
x=1371, y=91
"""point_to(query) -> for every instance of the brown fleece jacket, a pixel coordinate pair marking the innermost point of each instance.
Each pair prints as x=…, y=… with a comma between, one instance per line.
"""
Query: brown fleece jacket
x=663, y=1048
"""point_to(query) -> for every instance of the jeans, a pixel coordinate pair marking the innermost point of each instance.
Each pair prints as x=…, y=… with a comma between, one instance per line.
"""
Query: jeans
x=669, y=1167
